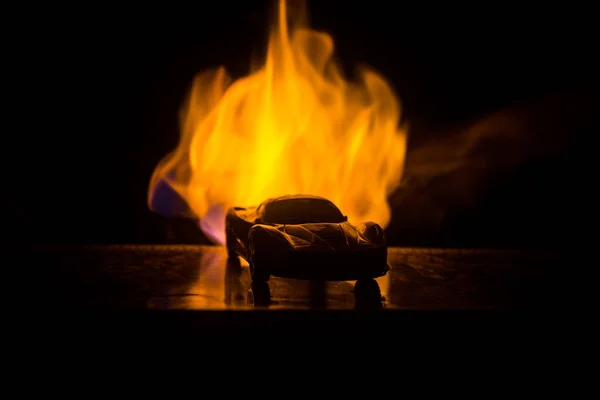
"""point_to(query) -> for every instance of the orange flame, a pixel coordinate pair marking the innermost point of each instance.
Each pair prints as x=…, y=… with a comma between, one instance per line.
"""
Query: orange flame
x=294, y=125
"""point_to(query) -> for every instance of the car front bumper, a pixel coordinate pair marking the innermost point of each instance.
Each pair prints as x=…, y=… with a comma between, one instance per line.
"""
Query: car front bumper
x=330, y=265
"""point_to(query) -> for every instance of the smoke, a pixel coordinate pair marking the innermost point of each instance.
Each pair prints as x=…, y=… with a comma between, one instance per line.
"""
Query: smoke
x=519, y=151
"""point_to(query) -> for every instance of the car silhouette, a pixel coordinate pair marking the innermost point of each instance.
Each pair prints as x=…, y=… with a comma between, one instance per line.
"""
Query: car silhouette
x=304, y=237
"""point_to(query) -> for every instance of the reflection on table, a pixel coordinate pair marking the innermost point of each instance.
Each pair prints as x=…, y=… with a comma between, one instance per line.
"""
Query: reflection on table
x=203, y=277
x=240, y=291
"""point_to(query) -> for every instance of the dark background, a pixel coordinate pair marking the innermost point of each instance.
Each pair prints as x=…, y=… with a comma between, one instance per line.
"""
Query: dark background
x=101, y=87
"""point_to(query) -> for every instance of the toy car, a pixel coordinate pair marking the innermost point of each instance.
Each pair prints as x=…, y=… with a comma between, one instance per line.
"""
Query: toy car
x=304, y=237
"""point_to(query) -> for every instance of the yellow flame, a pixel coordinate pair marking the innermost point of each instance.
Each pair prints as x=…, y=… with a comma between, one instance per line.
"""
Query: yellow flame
x=294, y=125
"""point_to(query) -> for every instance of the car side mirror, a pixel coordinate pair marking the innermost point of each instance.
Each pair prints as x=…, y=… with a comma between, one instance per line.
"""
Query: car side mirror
x=258, y=221
x=345, y=218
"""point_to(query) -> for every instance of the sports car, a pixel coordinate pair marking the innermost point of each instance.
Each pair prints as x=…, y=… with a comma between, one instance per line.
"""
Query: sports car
x=304, y=237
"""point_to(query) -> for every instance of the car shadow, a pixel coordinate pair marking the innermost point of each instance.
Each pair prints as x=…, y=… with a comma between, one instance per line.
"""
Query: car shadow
x=367, y=295
x=235, y=295
x=239, y=293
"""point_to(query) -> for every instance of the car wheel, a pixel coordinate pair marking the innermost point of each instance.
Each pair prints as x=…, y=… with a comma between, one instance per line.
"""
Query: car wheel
x=367, y=290
x=258, y=270
x=259, y=274
x=260, y=294
x=230, y=243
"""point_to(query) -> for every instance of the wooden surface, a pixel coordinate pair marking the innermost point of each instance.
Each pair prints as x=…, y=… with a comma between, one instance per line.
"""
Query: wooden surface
x=201, y=278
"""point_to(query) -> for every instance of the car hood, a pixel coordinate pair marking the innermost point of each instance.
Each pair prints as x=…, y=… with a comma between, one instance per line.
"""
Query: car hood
x=338, y=237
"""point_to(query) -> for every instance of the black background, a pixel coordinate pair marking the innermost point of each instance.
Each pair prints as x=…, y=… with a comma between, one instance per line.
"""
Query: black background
x=100, y=86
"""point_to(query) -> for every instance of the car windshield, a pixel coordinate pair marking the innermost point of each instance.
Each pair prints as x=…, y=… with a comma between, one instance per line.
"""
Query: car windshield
x=302, y=211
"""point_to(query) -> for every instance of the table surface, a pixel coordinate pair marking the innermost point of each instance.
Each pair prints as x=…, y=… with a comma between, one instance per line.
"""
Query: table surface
x=166, y=277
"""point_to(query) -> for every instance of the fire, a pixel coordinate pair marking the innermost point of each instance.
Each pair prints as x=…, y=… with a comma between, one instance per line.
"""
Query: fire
x=293, y=125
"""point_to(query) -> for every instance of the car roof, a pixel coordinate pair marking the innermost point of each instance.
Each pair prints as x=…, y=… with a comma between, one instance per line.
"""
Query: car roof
x=295, y=197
